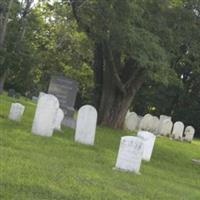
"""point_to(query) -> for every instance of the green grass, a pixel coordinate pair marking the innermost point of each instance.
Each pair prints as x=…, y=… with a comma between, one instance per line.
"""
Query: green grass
x=39, y=168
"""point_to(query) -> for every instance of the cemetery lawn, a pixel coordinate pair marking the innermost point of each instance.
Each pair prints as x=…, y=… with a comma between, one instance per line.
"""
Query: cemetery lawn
x=57, y=168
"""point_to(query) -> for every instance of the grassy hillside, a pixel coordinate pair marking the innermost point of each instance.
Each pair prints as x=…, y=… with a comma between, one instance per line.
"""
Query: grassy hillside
x=57, y=168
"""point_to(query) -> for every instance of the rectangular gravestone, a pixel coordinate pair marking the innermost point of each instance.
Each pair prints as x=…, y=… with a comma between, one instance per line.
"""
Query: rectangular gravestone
x=65, y=89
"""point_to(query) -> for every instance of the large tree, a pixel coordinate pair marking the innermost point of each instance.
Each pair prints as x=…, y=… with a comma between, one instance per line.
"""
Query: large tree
x=134, y=41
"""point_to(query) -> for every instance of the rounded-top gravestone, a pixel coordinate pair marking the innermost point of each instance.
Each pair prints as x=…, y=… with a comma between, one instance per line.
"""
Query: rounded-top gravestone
x=148, y=141
x=146, y=122
x=16, y=112
x=189, y=133
x=130, y=154
x=58, y=119
x=43, y=123
x=155, y=125
x=86, y=125
x=131, y=121
x=166, y=127
x=178, y=129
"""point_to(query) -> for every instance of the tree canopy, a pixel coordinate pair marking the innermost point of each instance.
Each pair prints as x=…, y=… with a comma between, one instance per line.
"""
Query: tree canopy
x=136, y=54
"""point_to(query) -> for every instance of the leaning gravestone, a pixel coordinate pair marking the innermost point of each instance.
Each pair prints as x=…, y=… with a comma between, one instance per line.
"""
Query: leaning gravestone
x=16, y=112
x=86, y=125
x=148, y=141
x=43, y=123
x=189, y=133
x=177, y=132
x=166, y=127
x=58, y=119
x=130, y=154
x=65, y=90
x=131, y=121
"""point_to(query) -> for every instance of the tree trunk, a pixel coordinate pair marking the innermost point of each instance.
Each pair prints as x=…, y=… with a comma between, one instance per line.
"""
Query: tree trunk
x=115, y=105
x=98, y=74
x=2, y=80
x=5, y=23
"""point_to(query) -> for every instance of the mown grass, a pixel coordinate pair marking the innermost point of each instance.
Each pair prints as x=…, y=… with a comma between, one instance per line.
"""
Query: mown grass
x=57, y=168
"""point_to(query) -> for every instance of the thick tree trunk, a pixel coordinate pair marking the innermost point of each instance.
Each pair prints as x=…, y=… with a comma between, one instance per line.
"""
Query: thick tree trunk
x=115, y=105
x=98, y=74
x=2, y=81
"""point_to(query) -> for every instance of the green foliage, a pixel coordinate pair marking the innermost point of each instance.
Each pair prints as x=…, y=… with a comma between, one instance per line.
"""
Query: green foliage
x=34, y=167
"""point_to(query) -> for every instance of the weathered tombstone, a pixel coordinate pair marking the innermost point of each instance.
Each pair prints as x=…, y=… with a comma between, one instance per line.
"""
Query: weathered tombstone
x=146, y=122
x=43, y=123
x=65, y=90
x=148, y=141
x=17, y=95
x=34, y=98
x=58, y=119
x=155, y=125
x=11, y=93
x=130, y=154
x=189, y=133
x=162, y=118
x=86, y=125
x=177, y=132
x=131, y=121
x=16, y=112
x=166, y=127
x=139, y=121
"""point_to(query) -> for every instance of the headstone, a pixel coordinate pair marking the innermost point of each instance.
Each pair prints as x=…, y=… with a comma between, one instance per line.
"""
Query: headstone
x=166, y=127
x=131, y=121
x=127, y=114
x=130, y=154
x=16, y=112
x=139, y=121
x=65, y=90
x=146, y=122
x=177, y=132
x=11, y=93
x=43, y=123
x=189, y=133
x=162, y=118
x=58, y=119
x=155, y=125
x=34, y=98
x=148, y=141
x=86, y=125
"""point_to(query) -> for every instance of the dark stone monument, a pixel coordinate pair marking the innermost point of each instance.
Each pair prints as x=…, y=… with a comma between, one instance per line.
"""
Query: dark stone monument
x=65, y=89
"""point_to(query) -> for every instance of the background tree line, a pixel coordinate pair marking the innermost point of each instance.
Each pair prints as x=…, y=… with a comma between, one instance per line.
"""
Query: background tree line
x=142, y=55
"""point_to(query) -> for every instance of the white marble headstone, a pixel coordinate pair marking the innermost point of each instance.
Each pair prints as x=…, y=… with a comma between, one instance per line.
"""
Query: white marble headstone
x=148, y=141
x=16, y=112
x=189, y=133
x=130, y=154
x=131, y=121
x=86, y=125
x=177, y=132
x=166, y=127
x=155, y=125
x=43, y=123
x=146, y=122
x=162, y=118
x=58, y=119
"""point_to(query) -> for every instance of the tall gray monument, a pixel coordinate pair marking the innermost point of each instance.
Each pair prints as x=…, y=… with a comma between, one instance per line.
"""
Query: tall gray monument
x=65, y=89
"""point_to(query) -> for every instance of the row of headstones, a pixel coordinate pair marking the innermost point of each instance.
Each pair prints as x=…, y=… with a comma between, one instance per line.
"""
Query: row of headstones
x=132, y=149
x=49, y=117
x=163, y=126
x=17, y=111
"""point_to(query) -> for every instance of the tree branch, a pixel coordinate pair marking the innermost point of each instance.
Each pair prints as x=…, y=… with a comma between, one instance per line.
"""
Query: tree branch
x=117, y=78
